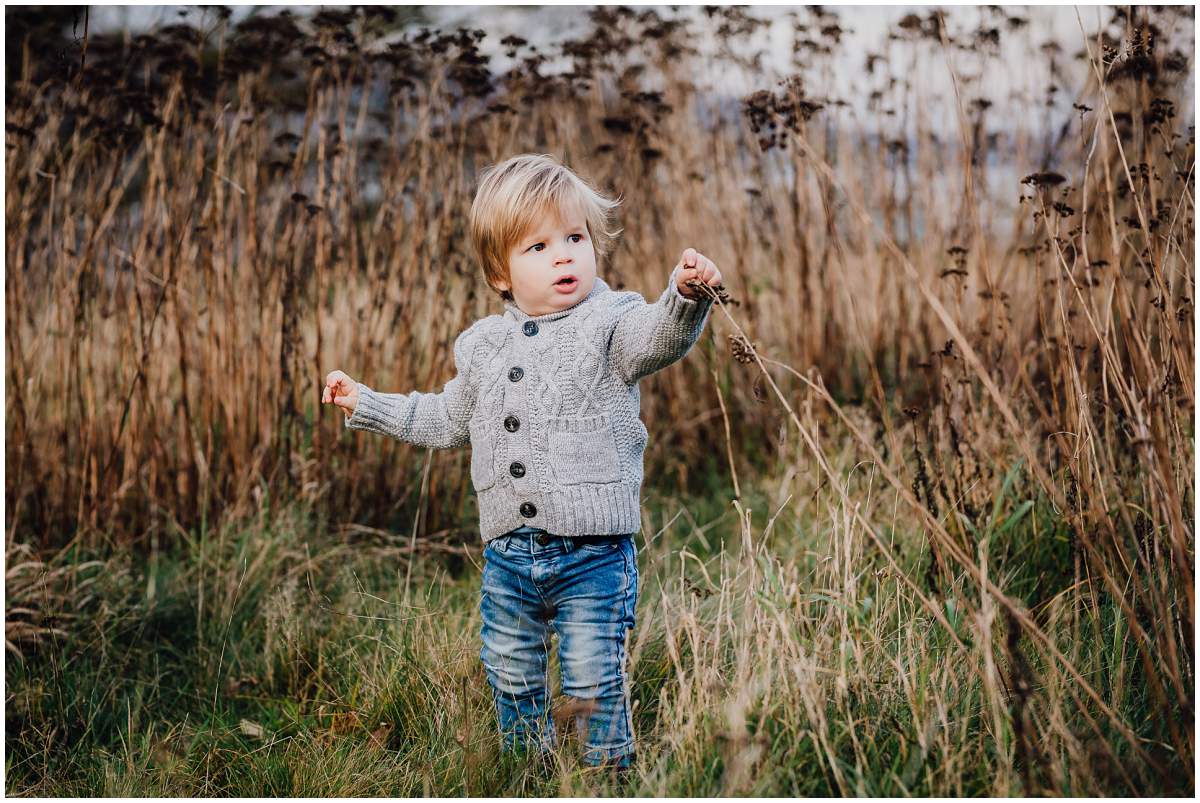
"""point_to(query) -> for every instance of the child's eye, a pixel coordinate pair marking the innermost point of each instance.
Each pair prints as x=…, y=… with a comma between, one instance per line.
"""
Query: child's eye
x=580, y=236
x=535, y=245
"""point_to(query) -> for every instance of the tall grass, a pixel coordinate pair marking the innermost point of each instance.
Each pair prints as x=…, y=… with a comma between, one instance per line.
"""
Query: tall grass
x=968, y=422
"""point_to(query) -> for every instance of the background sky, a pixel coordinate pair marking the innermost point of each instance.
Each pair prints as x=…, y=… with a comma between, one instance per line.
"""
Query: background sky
x=1014, y=79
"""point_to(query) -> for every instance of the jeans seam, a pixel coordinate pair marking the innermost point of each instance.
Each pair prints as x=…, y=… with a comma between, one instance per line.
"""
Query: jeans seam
x=625, y=748
x=625, y=612
x=596, y=549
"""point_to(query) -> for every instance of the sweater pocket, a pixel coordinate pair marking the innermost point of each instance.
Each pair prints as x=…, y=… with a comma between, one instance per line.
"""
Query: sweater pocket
x=483, y=462
x=583, y=450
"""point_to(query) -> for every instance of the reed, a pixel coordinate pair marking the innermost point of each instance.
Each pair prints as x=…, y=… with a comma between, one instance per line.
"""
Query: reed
x=952, y=363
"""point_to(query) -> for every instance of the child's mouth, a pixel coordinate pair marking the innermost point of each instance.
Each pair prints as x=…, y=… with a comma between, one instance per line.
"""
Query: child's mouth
x=566, y=286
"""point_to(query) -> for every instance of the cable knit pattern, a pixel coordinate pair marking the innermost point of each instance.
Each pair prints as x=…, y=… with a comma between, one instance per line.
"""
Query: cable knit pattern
x=551, y=407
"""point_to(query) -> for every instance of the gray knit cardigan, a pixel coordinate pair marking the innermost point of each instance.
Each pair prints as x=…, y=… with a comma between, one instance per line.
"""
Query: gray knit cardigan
x=550, y=405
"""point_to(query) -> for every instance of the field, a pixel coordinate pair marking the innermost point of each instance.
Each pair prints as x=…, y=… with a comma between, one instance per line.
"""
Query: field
x=919, y=514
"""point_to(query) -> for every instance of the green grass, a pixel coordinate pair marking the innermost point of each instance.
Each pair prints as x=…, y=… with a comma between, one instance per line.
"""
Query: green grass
x=271, y=659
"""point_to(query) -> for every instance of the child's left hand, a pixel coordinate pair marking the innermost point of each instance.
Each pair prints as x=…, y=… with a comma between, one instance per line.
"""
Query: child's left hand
x=695, y=266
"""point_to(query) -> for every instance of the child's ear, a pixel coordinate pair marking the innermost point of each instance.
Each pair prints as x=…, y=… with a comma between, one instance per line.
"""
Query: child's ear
x=503, y=290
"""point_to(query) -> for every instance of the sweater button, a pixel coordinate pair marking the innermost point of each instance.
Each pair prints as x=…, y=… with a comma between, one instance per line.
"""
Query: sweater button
x=512, y=424
x=517, y=469
x=528, y=510
x=530, y=328
x=515, y=374
x=543, y=539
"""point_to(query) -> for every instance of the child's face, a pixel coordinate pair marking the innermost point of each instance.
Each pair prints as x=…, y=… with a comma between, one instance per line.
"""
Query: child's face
x=555, y=246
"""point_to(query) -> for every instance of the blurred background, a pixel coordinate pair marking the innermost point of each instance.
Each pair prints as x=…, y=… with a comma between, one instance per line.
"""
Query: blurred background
x=651, y=96
x=954, y=377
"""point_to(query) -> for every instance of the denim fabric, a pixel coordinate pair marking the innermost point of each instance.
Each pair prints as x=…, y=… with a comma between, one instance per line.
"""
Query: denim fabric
x=587, y=595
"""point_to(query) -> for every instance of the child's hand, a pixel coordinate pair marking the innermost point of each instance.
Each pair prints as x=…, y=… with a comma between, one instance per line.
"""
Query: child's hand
x=342, y=391
x=696, y=266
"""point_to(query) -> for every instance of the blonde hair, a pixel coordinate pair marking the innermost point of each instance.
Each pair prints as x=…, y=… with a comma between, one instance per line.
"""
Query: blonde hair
x=511, y=196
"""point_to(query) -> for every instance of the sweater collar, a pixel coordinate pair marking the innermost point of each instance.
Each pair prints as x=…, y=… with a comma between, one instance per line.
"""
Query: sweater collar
x=515, y=313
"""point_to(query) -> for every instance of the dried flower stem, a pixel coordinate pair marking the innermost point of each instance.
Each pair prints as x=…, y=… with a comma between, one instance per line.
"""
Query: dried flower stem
x=737, y=490
x=951, y=547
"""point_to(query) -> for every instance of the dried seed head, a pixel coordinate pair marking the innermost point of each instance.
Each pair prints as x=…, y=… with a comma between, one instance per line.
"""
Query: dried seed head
x=743, y=350
x=1047, y=178
x=717, y=292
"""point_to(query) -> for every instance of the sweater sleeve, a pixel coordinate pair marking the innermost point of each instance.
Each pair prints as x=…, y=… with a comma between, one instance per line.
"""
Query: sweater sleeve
x=649, y=337
x=434, y=420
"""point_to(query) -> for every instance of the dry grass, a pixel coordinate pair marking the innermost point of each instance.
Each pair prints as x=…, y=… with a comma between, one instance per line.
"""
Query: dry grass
x=970, y=421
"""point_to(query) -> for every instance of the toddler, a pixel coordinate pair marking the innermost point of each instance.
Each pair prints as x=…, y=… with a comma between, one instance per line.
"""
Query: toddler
x=547, y=395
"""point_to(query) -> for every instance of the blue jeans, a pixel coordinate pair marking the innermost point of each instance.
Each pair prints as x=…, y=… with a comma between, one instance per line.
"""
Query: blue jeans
x=587, y=594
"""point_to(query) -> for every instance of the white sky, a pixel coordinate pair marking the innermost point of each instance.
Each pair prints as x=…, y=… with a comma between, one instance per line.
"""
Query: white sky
x=1019, y=67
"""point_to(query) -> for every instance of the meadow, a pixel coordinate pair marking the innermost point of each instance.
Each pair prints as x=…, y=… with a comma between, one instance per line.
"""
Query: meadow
x=919, y=513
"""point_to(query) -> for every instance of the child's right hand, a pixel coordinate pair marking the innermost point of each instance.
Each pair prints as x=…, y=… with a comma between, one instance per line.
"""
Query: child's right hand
x=342, y=391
